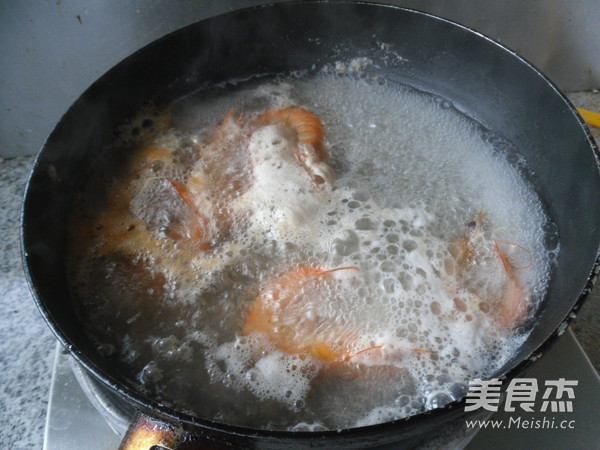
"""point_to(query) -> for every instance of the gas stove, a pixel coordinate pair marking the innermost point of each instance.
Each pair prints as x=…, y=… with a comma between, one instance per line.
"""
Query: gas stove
x=83, y=414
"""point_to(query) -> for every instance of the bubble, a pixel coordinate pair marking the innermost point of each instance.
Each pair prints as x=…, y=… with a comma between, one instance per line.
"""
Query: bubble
x=157, y=166
x=361, y=196
x=251, y=375
x=406, y=280
x=443, y=378
x=437, y=400
x=389, y=286
x=347, y=245
x=151, y=374
x=166, y=346
x=458, y=391
x=459, y=304
x=403, y=400
x=409, y=245
x=387, y=266
x=313, y=427
x=364, y=224
x=105, y=349
x=401, y=332
x=392, y=250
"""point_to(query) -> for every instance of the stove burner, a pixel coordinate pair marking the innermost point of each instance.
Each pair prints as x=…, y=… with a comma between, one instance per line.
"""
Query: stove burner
x=116, y=411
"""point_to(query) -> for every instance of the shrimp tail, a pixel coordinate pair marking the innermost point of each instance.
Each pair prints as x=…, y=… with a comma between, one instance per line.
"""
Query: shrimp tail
x=514, y=304
x=201, y=231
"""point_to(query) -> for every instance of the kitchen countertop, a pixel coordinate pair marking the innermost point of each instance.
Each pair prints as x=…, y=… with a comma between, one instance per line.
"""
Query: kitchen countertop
x=27, y=344
x=587, y=325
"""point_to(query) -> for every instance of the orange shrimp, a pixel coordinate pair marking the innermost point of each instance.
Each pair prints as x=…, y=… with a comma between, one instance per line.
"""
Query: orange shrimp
x=463, y=249
x=308, y=127
x=310, y=134
x=199, y=225
x=514, y=303
x=510, y=305
x=284, y=312
x=207, y=188
x=221, y=172
x=280, y=311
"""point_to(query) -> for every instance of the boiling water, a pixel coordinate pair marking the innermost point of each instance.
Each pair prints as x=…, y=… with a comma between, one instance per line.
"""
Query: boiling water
x=411, y=173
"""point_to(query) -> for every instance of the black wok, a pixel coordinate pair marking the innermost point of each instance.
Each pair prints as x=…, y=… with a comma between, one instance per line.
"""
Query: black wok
x=490, y=83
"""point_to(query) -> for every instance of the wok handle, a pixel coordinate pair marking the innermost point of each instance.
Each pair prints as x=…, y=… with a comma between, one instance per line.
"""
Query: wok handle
x=145, y=432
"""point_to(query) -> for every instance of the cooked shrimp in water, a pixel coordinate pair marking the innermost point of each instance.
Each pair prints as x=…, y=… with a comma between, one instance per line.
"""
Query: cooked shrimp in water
x=278, y=246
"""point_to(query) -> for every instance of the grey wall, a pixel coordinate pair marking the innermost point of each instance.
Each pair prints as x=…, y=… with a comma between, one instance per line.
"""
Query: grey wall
x=52, y=50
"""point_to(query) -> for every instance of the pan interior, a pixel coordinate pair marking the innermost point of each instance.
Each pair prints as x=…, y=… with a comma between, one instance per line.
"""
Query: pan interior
x=416, y=184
